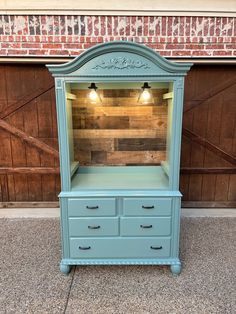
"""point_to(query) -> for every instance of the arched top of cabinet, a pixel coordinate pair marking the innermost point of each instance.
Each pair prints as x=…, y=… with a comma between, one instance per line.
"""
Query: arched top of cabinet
x=119, y=59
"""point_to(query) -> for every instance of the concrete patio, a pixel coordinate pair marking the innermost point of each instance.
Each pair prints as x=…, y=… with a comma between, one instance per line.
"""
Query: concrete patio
x=30, y=280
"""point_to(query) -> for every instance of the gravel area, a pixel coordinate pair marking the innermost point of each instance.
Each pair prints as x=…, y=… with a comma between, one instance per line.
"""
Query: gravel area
x=30, y=280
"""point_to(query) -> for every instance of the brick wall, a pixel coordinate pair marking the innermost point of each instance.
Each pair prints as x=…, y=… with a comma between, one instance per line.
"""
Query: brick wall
x=70, y=35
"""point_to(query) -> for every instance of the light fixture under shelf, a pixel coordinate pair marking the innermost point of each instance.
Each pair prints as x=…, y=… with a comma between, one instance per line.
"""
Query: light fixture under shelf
x=93, y=94
x=146, y=96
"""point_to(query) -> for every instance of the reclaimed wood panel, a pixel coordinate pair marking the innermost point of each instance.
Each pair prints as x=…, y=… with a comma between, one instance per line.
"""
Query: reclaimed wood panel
x=119, y=131
x=137, y=133
x=130, y=157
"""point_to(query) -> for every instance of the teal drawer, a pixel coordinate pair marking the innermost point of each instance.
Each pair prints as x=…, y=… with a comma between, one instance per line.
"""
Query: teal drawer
x=80, y=227
x=147, y=206
x=120, y=248
x=145, y=226
x=91, y=207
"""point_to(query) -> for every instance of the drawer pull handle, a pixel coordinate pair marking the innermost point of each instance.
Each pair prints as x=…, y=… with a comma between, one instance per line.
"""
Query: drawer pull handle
x=146, y=226
x=156, y=247
x=92, y=207
x=148, y=207
x=94, y=227
x=84, y=247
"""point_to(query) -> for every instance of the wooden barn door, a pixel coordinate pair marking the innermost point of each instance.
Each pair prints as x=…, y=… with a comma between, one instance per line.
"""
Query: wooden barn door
x=28, y=136
x=29, y=168
x=208, y=158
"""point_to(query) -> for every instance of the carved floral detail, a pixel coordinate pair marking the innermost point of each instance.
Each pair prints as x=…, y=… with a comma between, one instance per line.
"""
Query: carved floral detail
x=121, y=63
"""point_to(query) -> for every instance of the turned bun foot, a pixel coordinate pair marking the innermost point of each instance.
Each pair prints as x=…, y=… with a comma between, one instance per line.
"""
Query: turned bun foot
x=65, y=269
x=175, y=269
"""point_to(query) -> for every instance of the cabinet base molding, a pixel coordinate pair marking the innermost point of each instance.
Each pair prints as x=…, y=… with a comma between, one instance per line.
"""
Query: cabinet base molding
x=174, y=263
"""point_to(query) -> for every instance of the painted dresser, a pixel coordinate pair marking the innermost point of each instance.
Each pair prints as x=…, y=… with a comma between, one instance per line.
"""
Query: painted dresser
x=119, y=110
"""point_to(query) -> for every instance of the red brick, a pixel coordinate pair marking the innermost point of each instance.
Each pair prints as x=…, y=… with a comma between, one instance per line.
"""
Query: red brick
x=176, y=26
x=164, y=26
x=3, y=52
x=43, y=25
x=16, y=52
x=133, y=26
x=200, y=22
x=193, y=26
x=206, y=27
x=194, y=46
x=120, y=27
x=38, y=52
x=75, y=52
x=127, y=28
x=140, y=25
x=11, y=45
x=151, y=31
x=175, y=46
x=231, y=46
x=211, y=26
x=103, y=25
x=115, y=26
x=181, y=26
x=86, y=46
x=181, y=35
x=187, y=26
x=222, y=53
x=51, y=46
x=218, y=26
x=145, y=25
x=158, y=27
x=215, y=46
x=89, y=27
x=201, y=53
x=58, y=52
x=169, y=25
x=156, y=46
x=165, y=53
x=181, y=53
x=224, y=22
x=31, y=45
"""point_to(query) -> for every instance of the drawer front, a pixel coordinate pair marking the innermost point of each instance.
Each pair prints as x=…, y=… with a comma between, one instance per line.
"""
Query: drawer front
x=147, y=206
x=144, y=226
x=80, y=227
x=120, y=248
x=91, y=207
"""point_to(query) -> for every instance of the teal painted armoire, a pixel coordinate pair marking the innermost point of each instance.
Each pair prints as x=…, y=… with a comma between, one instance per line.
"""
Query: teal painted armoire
x=119, y=111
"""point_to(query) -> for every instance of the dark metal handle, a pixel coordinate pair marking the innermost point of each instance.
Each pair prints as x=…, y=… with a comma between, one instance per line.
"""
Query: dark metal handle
x=155, y=247
x=94, y=227
x=148, y=207
x=92, y=207
x=84, y=247
x=146, y=226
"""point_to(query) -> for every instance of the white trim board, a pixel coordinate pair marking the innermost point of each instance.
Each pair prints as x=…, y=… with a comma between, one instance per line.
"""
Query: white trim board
x=55, y=212
x=121, y=7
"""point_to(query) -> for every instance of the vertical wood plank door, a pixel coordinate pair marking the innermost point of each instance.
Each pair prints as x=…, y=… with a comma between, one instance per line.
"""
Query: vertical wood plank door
x=29, y=168
x=208, y=161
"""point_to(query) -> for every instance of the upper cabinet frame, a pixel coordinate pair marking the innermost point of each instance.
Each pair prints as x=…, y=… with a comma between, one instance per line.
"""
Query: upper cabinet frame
x=120, y=62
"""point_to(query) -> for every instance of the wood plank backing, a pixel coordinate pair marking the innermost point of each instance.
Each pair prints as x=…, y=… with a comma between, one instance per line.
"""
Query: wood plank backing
x=136, y=133
x=127, y=157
